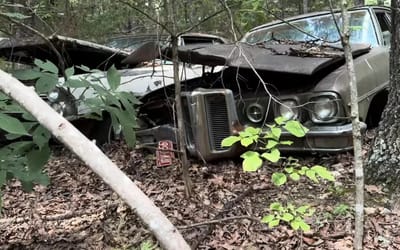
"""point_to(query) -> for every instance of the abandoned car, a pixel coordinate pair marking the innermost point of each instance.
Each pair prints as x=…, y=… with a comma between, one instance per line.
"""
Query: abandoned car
x=136, y=79
x=294, y=69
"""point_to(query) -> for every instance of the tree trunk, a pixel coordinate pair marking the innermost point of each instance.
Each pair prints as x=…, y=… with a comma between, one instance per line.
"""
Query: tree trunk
x=384, y=159
x=359, y=2
x=355, y=120
x=305, y=6
x=178, y=102
x=168, y=236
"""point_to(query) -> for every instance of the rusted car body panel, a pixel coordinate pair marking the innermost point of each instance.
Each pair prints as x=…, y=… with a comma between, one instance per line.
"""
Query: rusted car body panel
x=279, y=77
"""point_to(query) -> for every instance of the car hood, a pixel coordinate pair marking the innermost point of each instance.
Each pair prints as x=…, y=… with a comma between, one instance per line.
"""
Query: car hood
x=73, y=51
x=306, y=59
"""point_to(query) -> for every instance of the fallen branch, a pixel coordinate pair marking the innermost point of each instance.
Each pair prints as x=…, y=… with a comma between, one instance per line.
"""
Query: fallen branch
x=205, y=223
x=168, y=236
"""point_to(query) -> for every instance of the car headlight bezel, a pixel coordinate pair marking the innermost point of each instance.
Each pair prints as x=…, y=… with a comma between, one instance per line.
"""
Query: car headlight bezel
x=288, y=108
x=255, y=112
x=324, y=108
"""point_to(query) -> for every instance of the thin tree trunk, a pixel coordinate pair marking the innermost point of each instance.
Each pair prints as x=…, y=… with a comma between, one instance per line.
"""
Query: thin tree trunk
x=168, y=236
x=179, y=110
x=359, y=2
x=305, y=6
x=358, y=162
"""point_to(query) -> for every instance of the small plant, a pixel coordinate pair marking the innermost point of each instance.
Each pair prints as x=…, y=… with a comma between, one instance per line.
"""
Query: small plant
x=341, y=210
x=147, y=245
x=289, y=214
x=269, y=141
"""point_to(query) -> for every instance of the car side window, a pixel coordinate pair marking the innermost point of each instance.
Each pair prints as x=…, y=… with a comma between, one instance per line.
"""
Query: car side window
x=383, y=18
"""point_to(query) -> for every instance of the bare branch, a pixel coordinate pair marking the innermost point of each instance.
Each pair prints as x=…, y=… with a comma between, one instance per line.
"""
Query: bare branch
x=228, y=9
x=200, y=22
x=61, y=62
x=154, y=20
x=295, y=27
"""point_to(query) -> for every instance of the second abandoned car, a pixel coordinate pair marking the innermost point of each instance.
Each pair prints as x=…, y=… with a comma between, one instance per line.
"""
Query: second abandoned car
x=295, y=69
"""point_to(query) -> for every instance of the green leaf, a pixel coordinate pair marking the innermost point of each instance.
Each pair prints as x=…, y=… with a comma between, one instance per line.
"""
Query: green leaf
x=70, y=72
x=295, y=176
x=276, y=206
x=323, y=173
x=273, y=223
x=47, y=66
x=302, y=209
x=311, y=174
x=295, y=224
x=286, y=143
x=113, y=78
x=12, y=125
x=229, y=141
x=280, y=120
x=279, y=179
x=271, y=144
x=253, y=131
x=268, y=218
x=273, y=156
x=38, y=158
x=46, y=83
x=246, y=141
x=304, y=226
x=77, y=83
x=28, y=74
x=287, y=217
x=276, y=132
x=41, y=136
x=15, y=15
x=289, y=170
x=252, y=161
x=295, y=128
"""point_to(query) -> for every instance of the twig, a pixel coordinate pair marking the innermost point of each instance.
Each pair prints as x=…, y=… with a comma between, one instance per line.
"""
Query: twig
x=205, y=223
x=154, y=20
x=200, y=22
x=228, y=10
x=38, y=33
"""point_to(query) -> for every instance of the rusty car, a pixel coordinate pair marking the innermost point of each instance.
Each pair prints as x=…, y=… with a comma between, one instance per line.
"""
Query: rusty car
x=293, y=68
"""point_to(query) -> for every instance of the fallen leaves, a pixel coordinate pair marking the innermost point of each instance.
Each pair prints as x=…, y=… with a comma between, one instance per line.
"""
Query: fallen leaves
x=79, y=209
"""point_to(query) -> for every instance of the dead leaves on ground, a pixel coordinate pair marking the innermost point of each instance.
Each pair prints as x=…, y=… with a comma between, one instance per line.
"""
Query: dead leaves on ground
x=79, y=211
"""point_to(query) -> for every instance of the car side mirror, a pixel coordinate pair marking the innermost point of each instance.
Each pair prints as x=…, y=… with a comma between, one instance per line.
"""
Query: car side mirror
x=386, y=37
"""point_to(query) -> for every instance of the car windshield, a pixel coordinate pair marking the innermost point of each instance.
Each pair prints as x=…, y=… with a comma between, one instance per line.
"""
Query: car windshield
x=132, y=42
x=322, y=27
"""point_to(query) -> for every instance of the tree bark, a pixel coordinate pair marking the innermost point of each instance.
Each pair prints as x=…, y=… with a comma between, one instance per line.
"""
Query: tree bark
x=305, y=6
x=168, y=236
x=178, y=106
x=384, y=158
x=359, y=2
x=358, y=161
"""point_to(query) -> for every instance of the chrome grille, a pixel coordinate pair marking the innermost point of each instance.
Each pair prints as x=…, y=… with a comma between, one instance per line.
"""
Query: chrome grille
x=217, y=120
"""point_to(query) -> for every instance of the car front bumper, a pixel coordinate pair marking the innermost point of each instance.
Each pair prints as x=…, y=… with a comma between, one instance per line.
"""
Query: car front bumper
x=334, y=138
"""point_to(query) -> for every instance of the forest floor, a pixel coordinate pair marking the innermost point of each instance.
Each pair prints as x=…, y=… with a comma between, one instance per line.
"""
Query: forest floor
x=78, y=211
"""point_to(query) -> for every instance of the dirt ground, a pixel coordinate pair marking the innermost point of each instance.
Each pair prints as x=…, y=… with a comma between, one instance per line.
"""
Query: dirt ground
x=78, y=211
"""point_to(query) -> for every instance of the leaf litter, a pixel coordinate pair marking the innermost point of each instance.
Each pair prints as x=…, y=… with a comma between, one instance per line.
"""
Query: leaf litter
x=78, y=211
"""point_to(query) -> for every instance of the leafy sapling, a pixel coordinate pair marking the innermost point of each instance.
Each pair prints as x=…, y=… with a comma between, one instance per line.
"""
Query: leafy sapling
x=294, y=216
x=269, y=141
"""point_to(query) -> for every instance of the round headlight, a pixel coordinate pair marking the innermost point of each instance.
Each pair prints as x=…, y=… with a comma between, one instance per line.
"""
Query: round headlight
x=255, y=112
x=288, y=109
x=53, y=95
x=324, y=108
